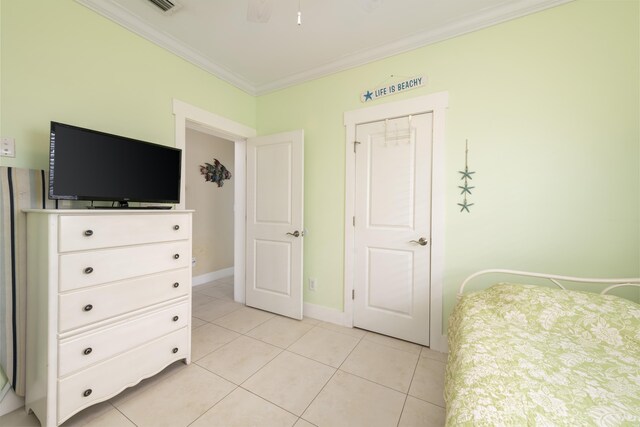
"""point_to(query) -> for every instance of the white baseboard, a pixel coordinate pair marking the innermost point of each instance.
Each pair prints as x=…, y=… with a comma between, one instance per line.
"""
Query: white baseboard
x=10, y=402
x=338, y=317
x=439, y=344
x=326, y=314
x=210, y=277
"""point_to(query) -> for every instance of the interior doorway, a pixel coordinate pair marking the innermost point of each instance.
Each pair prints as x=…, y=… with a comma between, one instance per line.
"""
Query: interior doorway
x=393, y=227
x=209, y=190
x=188, y=116
x=434, y=106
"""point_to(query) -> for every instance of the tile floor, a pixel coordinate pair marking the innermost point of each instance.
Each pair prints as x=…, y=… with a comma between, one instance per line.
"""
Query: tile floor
x=253, y=368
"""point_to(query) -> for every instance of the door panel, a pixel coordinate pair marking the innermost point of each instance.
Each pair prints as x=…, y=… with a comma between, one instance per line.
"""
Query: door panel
x=393, y=193
x=273, y=183
x=274, y=213
x=273, y=263
x=390, y=266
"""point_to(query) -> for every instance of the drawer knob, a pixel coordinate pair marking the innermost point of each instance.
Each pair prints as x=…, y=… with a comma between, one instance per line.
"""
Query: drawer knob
x=87, y=392
x=175, y=285
x=88, y=307
x=88, y=233
x=175, y=350
x=176, y=256
x=87, y=351
x=175, y=318
x=88, y=270
x=176, y=227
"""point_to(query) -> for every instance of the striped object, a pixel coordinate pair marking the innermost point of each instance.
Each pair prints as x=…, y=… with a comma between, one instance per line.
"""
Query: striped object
x=19, y=189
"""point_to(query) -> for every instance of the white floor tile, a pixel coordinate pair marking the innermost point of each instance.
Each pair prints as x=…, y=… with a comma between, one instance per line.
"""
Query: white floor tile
x=382, y=364
x=239, y=359
x=178, y=400
x=244, y=319
x=435, y=355
x=428, y=381
x=208, y=338
x=290, y=381
x=417, y=412
x=353, y=332
x=215, y=309
x=244, y=409
x=101, y=415
x=280, y=331
x=348, y=400
x=325, y=346
x=393, y=342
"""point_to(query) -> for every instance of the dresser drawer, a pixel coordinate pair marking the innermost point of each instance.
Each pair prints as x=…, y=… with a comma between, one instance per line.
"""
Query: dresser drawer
x=79, y=352
x=81, y=269
x=86, y=306
x=110, y=377
x=81, y=232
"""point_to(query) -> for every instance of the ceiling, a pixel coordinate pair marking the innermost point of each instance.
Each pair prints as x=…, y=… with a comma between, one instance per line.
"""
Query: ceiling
x=335, y=34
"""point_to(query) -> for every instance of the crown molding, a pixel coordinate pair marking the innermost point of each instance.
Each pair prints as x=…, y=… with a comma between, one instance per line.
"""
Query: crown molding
x=486, y=18
x=471, y=23
x=117, y=14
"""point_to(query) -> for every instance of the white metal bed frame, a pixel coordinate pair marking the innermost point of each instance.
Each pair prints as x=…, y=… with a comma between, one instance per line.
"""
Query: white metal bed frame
x=555, y=279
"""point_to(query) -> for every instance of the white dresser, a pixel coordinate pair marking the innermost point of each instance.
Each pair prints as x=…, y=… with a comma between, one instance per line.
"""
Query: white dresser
x=108, y=304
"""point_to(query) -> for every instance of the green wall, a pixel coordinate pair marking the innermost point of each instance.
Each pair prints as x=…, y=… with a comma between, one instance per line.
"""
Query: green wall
x=64, y=62
x=550, y=105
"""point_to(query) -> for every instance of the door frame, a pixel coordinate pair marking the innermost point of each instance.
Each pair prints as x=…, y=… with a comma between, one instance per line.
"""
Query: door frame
x=436, y=104
x=192, y=117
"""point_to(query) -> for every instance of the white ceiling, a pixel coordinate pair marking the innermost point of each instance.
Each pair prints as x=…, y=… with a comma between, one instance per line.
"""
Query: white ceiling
x=335, y=34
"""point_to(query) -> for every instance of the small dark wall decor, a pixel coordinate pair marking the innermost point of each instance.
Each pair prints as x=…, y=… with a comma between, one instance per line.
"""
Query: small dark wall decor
x=215, y=172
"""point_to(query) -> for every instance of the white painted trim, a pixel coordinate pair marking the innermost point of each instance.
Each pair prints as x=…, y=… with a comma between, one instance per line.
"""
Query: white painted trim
x=210, y=277
x=116, y=13
x=436, y=104
x=240, y=221
x=325, y=314
x=491, y=16
x=192, y=117
x=10, y=402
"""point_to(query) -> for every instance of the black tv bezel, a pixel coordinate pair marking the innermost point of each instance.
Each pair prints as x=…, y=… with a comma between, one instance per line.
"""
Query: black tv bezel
x=122, y=201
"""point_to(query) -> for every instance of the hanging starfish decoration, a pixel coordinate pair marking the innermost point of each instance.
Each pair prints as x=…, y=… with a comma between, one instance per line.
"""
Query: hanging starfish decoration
x=466, y=175
x=465, y=205
x=465, y=188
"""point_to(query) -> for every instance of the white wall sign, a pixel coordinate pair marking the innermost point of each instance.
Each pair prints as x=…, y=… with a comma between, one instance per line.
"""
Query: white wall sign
x=393, y=88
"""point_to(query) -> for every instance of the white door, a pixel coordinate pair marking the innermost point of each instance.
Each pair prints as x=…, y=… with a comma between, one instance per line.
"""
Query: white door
x=392, y=227
x=275, y=182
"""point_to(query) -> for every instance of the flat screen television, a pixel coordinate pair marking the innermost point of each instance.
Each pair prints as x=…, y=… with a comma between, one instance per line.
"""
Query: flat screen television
x=86, y=164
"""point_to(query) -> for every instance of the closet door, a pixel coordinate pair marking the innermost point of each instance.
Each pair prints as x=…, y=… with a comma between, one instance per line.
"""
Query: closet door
x=392, y=227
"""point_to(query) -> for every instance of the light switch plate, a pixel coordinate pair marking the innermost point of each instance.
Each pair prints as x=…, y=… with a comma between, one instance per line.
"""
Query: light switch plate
x=7, y=147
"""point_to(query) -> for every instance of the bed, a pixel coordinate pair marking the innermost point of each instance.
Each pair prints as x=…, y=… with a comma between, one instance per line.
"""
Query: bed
x=532, y=355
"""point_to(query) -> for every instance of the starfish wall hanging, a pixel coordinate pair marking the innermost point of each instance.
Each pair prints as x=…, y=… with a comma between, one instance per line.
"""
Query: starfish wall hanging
x=466, y=176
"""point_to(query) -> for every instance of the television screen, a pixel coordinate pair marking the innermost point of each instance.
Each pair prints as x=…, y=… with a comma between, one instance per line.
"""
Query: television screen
x=89, y=165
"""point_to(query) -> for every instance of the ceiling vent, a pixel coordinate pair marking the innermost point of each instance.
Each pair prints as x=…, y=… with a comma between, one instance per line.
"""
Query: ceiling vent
x=166, y=6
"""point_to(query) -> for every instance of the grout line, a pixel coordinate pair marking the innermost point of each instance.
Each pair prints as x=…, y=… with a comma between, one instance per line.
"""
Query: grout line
x=406, y=396
x=331, y=378
x=123, y=414
x=268, y=401
x=322, y=326
x=212, y=406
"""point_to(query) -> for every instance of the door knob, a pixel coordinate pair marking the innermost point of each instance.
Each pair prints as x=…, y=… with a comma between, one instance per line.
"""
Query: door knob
x=421, y=241
x=295, y=234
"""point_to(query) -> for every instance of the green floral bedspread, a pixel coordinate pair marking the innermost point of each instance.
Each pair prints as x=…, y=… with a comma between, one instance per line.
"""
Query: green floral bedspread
x=527, y=355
